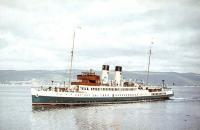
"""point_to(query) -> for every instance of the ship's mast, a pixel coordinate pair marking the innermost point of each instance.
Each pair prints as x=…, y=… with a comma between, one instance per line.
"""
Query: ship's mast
x=71, y=60
x=72, y=55
x=147, y=80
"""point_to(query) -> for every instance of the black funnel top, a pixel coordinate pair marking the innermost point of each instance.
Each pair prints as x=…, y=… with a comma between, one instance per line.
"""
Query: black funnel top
x=118, y=68
x=105, y=67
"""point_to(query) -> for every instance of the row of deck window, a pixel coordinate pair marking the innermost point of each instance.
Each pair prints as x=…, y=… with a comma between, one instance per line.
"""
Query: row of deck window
x=158, y=93
x=115, y=95
x=109, y=89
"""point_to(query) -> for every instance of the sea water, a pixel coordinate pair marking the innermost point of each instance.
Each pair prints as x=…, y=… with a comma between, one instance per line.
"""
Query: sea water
x=181, y=112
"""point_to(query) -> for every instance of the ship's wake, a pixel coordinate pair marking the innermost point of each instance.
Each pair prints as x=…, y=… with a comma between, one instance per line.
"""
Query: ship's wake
x=185, y=98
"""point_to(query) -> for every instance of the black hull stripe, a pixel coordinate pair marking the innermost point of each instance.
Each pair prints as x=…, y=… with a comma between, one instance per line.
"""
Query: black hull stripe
x=88, y=100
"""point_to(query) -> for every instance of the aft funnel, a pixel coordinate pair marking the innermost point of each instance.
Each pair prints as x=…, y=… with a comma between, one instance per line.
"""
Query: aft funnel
x=118, y=75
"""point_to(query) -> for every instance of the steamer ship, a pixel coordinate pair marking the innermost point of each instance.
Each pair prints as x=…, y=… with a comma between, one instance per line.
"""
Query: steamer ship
x=92, y=88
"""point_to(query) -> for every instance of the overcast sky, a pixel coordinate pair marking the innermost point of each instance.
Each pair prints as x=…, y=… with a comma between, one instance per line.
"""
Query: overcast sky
x=38, y=34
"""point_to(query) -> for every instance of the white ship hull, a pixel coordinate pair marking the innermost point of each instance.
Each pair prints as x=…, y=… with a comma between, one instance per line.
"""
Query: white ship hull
x=102, y=94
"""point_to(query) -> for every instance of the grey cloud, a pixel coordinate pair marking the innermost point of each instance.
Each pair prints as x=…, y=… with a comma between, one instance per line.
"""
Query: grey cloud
x=171, y=16
x=113, y=52
x=3, y=43
x=175, y=24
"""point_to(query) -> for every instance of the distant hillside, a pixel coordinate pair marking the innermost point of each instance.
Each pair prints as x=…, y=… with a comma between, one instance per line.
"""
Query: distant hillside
x=8, y=76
